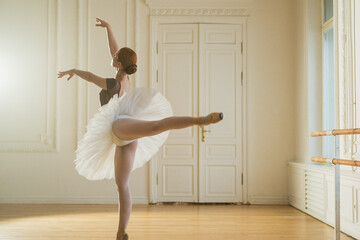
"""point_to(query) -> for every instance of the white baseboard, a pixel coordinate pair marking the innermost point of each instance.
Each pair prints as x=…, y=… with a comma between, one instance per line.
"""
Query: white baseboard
x=268, y=200
x=68, y=200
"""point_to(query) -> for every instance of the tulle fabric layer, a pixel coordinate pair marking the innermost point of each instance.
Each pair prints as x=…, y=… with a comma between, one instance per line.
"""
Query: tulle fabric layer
x=96, y=150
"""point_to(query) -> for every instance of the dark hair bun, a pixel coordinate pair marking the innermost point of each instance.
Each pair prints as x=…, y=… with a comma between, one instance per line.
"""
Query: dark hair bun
x=131, y=69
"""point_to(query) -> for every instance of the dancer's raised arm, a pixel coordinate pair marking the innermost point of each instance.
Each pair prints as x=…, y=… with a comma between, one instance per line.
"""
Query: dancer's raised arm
x=113, y=46
x=88, y=76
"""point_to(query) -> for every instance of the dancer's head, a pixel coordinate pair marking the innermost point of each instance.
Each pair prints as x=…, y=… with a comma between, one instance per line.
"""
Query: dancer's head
x=125, y=60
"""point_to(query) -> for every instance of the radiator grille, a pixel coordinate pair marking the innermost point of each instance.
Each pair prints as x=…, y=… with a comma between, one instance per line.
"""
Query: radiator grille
x=314, y=194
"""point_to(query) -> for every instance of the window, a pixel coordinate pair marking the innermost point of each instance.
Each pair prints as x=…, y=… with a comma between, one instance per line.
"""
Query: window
x=328, y=10
x=328, y=76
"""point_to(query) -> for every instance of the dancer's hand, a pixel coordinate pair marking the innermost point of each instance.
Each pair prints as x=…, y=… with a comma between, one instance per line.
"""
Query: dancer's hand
x=71, y=73
x=102, y=23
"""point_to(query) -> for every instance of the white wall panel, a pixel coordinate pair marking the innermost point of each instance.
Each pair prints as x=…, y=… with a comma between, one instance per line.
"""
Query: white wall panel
x=28, y=58
x=296, y=187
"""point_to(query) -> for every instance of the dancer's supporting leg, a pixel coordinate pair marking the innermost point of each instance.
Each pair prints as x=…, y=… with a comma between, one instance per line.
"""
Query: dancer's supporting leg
x=123, y=162
x=129, y=129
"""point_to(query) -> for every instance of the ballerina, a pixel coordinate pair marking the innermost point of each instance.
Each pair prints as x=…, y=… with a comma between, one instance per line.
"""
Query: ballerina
x=129, y=128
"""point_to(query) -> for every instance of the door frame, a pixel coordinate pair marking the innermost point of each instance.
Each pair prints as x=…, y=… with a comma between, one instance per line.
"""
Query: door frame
x=155, y=21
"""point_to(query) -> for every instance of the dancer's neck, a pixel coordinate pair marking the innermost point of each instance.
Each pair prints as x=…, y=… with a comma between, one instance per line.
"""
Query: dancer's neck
x=121, y=76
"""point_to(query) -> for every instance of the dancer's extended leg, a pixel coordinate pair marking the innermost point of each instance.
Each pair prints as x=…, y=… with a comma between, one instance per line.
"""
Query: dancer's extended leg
x=129, y=129
x=123, y=162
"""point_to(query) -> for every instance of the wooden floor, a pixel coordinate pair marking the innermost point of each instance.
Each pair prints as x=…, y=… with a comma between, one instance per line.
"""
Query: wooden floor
x=160, y=222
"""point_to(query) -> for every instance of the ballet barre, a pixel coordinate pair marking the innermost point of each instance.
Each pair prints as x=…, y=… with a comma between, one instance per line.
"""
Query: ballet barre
x=336, y=132
x=337, y=162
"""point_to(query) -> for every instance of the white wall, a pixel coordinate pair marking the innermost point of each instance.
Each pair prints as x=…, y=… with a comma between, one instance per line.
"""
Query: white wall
x=301, y=83
x=50, y=176
x=271, y=98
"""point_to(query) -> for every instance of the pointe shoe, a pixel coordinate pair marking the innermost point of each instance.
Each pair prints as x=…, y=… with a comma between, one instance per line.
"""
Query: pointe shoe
x=213, y=118
x=124, y=237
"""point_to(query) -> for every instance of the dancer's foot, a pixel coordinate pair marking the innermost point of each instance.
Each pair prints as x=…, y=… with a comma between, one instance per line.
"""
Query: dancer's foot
x=122, y=236
x=211, y=118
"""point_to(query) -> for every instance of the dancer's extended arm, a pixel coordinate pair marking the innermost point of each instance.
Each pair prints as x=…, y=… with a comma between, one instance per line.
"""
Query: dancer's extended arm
x=113, y=46
x=88, y=76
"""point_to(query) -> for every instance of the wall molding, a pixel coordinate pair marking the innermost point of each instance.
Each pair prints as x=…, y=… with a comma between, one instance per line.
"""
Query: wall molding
x=46, y=141
x=199, y=7
x=158, y=11
x=261, y=199
x=199, y=3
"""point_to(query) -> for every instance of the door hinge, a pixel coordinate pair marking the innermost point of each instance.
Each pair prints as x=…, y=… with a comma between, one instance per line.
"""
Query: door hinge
x=157, y=179
x=242, y=77
x=242, y=179
x=157, y=47
x=242, y=47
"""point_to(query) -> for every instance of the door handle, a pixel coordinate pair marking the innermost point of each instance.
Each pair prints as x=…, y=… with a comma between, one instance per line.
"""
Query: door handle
x=203, y=131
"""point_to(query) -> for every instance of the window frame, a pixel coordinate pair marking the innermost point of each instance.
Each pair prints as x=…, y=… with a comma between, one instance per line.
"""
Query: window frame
x=327, y=142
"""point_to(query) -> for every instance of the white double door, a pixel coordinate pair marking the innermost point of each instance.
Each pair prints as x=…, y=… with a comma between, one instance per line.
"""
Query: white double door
x=199, y=71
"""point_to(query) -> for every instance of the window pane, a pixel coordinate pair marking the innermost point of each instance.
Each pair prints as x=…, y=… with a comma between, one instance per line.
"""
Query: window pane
x=328, y=9
x=328, y=90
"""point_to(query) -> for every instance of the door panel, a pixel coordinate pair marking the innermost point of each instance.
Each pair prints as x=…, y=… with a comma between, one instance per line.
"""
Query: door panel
x=220, y=36
x=177, y=73
x=220, y=91
x=214, y=151
x=171, y=184
x=220, y=75
x=178, y=83
x=178, y=35
x=178, y=151
x=221, y=181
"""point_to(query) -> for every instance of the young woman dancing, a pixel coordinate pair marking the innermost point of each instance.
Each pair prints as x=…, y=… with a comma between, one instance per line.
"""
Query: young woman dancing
x=129, y=128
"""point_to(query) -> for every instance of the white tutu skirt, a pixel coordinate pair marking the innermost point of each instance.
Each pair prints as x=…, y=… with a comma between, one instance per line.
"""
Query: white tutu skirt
x=96, y=150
